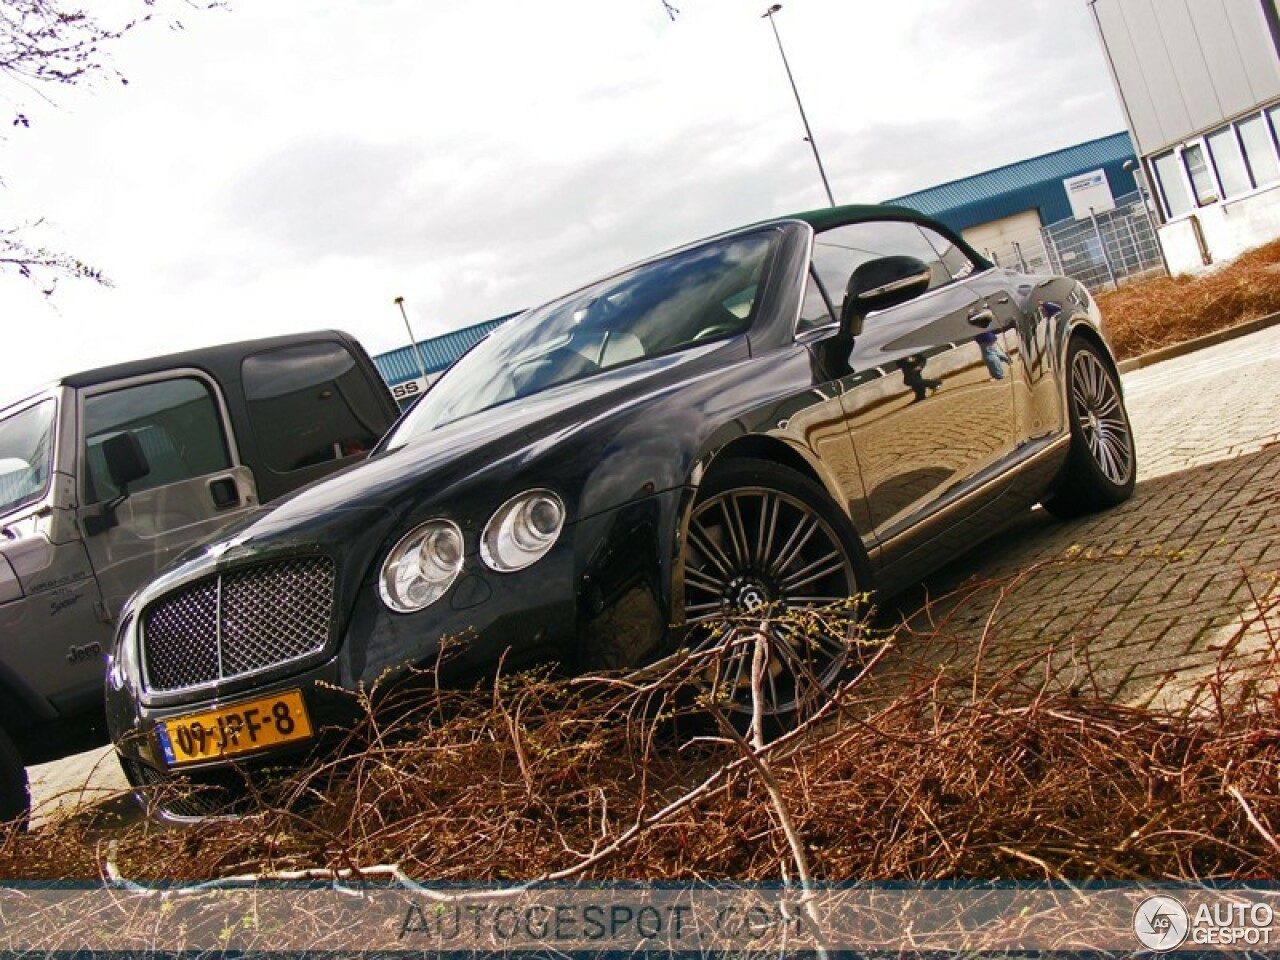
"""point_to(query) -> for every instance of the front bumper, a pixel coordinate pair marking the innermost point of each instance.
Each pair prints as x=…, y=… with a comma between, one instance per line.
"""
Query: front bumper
x=600, y=598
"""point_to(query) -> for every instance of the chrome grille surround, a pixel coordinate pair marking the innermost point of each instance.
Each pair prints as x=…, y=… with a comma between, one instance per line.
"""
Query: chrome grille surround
x=237, y=624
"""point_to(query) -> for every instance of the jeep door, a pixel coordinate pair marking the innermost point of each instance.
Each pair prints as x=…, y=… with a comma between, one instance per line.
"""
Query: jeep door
x=194, y=482
x=52, y=634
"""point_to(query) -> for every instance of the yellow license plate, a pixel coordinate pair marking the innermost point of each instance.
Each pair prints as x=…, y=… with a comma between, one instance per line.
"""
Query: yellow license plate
x=240, y=728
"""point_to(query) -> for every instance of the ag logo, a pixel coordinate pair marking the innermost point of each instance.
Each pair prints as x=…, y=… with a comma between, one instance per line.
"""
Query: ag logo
x=1161, y=923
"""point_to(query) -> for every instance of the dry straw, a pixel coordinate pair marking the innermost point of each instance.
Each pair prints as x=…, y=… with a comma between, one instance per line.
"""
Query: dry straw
x=1150, y=314
x=915, y=768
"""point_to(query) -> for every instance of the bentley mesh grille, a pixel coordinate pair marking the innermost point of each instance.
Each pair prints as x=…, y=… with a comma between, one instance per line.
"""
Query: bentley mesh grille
x=238, y=623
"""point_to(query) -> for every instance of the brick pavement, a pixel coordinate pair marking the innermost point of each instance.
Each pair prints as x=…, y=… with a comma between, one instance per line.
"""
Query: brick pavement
x=1207, y=406
x=1136, y=602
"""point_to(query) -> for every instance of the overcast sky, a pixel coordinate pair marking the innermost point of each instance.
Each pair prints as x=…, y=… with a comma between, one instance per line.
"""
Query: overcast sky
x=296, y=164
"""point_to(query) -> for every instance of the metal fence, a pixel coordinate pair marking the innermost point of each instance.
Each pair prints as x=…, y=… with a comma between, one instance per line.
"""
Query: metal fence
x=1102, y=252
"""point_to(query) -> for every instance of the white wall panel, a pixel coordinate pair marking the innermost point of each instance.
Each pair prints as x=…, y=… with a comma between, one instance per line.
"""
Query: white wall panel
x=1184, y=66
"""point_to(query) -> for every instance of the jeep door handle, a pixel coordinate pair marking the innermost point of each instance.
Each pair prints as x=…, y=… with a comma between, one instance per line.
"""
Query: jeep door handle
x=225, y=493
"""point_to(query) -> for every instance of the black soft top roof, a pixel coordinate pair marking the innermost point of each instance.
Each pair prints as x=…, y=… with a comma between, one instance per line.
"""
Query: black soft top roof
x=827, y=218
x=222, y=360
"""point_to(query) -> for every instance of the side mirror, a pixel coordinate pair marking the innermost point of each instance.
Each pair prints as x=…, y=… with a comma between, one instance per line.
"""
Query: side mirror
x=126, y=460
x=881, y=284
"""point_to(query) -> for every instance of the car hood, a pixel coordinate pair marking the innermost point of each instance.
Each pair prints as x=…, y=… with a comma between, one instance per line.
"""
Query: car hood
x=464, y=469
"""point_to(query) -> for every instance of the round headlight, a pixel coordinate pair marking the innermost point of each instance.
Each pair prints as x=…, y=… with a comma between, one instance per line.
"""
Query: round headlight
x=522, y=531
x=422, y=566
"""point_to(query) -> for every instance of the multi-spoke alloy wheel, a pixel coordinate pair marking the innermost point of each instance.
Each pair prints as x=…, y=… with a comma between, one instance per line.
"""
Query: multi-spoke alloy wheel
x=1095, y=402
x=1101, y=467
x=766, y=558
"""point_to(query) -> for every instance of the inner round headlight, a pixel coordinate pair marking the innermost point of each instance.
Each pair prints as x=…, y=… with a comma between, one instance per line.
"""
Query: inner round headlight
x=422, y=566
x=522, y=531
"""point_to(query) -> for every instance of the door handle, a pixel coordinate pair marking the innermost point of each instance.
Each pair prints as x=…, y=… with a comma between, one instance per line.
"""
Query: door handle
x=225, y=493
x=982, y=318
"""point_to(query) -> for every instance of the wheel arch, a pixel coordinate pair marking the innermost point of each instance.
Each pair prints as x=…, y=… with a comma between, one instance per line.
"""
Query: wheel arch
x=1080, y=326
x=1087, y=331
x=20, y=707
x=774, y=450
x=770, y=450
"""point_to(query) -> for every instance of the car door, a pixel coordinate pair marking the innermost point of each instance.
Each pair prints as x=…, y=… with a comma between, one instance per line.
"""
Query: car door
x=927, y=394
x=193, y=486
x=51, y=635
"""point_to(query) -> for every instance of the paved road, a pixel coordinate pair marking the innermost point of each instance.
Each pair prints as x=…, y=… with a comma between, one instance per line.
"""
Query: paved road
x=1137, y=602
x=1208, y=406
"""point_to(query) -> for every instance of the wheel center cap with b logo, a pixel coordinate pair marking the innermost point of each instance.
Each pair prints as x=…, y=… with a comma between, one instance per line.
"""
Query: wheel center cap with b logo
x=747, y=594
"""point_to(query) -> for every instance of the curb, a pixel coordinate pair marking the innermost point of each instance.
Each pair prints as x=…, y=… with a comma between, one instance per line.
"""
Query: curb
x=1199, y=343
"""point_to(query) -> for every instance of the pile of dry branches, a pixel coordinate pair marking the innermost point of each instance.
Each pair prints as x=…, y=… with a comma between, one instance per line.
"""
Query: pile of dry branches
x=1156, y=313
x=910, y=771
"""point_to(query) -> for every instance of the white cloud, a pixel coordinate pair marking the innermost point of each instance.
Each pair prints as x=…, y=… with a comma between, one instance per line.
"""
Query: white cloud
x=296, y=164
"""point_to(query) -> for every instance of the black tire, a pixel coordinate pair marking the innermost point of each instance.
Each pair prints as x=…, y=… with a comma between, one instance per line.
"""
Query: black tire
x=764, y=538
x=15, y=794
x=1102, y=465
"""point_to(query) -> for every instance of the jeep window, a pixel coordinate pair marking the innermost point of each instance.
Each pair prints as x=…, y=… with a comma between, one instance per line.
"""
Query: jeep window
x=310, y=404
x=26, y=453
x=692, y=297
x=176, y=421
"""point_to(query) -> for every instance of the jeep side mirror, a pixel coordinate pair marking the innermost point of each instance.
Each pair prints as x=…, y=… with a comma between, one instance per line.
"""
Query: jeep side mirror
x=880, y=284
x=126, y=460
x=126, y=463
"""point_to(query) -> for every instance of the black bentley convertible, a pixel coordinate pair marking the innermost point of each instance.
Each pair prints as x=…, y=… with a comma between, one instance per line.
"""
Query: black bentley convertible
x=778, y=417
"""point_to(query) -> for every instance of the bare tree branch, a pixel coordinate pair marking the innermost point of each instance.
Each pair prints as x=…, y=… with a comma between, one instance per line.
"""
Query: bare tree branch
x=44, y=45
x=39, y=264
x=45, y=42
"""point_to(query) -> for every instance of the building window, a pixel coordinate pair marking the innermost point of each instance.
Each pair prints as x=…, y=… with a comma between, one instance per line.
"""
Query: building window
x=1201, y=176
x=1173, y=187
x=1260, y=150
x=1221, y=165
x=1224, y=148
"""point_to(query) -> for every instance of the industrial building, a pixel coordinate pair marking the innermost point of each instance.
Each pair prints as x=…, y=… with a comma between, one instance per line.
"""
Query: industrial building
x=1199, y=81
x=1055, y=213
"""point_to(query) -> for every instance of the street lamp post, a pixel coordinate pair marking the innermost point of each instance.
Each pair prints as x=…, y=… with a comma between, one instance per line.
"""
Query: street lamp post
x=422, y=367
x=768, y=14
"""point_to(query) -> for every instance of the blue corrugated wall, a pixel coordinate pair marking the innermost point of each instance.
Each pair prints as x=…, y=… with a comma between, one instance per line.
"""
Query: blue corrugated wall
x=401, y=365
x=1034, y=184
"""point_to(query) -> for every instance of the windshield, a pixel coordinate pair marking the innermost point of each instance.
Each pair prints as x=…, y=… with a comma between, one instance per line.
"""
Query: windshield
x=692, y=297
x=26, y=450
